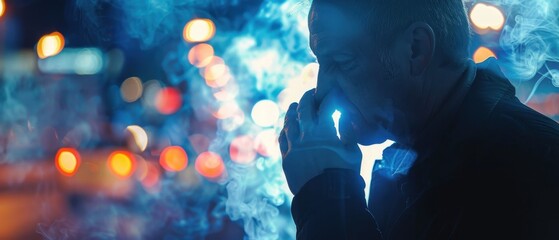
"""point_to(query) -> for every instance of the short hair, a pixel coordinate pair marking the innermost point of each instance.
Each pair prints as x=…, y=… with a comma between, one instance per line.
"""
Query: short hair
x=387, y=18
x=447, y=18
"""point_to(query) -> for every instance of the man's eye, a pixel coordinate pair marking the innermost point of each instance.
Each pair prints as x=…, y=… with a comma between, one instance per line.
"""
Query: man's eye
x=344, y=62
x=346, y=65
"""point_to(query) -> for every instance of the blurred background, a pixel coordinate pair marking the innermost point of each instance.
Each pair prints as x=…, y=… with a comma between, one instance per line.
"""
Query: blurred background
x=143, y=119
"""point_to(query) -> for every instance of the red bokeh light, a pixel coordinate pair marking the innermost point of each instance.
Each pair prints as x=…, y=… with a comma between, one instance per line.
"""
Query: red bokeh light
x=151, y=177
x=168, y=100
x=242, y=150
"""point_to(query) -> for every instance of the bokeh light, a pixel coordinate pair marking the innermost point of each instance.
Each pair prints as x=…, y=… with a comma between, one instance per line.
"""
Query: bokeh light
x=210, y=165
x=131, y=89
x=242, y=150
x=67, y=161
x=173, y=159
x=50, y=45
x=485, y=16
x=168, y=100
x=266, y=143
x=140, y=136
x=227, y=110
x=482, y=54
x=232, y=123
x=199, y=142
x=265, y=113
x=199, y=30
x=216, y=73
x=150, y=177
x=2, y=8
x=122, y=163
x=201, y=55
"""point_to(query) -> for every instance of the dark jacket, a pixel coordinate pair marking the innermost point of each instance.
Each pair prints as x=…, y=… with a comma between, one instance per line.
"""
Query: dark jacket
x=493, y=174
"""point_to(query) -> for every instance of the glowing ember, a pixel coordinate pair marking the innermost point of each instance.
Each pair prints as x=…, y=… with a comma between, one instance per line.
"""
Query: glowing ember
x=199, y=30
x=210, y=165
x=173, y=159
x=67, y=161
x=168, y=100
x=122, y=163
x=50, y=45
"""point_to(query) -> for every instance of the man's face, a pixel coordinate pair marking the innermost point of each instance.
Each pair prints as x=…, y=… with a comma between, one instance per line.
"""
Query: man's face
x=367, y=82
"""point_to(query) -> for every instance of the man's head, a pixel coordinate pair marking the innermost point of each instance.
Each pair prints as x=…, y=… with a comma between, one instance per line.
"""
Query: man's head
x=378, y=55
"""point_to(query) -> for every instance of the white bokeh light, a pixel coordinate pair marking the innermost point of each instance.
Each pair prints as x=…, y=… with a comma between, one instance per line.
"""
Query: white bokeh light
x=265, y=113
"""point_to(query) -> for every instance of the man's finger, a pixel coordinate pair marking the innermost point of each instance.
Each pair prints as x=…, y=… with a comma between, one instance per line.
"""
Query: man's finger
x=291, y=124
x=283, y=142
x=347, y=133
x=307, y=111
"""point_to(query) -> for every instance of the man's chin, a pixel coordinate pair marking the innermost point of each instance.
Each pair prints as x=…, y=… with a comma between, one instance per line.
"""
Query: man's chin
x=358, y=131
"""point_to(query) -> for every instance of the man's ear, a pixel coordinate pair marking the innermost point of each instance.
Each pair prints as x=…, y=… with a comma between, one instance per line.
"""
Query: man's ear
x=422, y=47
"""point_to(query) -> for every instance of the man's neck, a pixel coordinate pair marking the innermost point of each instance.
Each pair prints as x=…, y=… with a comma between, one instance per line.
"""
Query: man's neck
x=440, y=96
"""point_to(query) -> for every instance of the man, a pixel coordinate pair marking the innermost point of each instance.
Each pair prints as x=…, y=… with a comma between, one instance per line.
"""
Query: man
x=482, y=165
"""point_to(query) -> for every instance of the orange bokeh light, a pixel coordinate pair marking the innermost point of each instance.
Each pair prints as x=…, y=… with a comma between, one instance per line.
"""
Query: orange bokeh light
x=50, y=45
x=122, y=163
x=201, y=55
x=210, y=165
x=242, y=150
x=199, y=30
x=168, y=100
x=483, y=54
x=67, y=161
x=2, y=8
x=173, y=159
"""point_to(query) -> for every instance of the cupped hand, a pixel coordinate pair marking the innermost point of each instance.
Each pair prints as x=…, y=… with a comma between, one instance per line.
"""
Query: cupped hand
x=309, y=143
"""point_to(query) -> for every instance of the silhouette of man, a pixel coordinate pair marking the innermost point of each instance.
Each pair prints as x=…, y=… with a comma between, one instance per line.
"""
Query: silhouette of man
x=471, y=161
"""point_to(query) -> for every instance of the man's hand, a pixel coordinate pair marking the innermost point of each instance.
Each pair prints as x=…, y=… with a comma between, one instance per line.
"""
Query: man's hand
x=309, y=143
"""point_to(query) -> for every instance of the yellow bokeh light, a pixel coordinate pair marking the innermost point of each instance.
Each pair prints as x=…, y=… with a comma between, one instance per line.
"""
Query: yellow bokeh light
x=50, y=45
x=121, y=163
x=199, y=30
x=485, y=16
x=482, y=54
x=140, y=136
x=131, y=89
x=2, y=8
x=201, y=55
x=67, y=161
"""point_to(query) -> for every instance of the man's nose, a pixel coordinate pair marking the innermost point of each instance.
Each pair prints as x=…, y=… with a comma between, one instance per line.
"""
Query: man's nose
x=325, y=84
